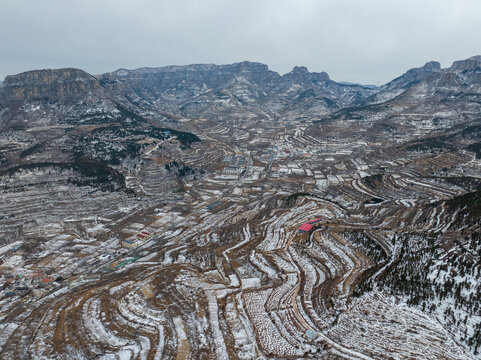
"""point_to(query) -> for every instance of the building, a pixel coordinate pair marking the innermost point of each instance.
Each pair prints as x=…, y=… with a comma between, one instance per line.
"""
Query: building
x=305, y=227
x=47, y=280
x=308, y=226
x=131, y=244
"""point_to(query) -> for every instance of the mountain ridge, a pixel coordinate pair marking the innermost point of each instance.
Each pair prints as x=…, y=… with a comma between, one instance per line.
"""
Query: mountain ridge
x=242, y=89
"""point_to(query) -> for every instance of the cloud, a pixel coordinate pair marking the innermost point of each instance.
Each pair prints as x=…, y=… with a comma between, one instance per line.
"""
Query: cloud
x=366, y=41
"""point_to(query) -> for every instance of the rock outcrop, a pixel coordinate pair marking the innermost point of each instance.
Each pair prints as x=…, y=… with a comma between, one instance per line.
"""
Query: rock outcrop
x=48, y=85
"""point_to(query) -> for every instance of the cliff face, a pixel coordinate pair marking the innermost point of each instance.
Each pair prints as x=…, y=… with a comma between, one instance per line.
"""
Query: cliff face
x=220, y=91
x=47, y=84
x=184, y=82
x=198, y=78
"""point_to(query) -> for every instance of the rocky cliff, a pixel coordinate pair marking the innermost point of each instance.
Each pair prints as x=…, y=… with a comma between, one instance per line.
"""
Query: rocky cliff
x=48, y=84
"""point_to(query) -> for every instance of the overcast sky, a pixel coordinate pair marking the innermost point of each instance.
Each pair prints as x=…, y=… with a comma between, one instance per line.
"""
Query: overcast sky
x=366, y=41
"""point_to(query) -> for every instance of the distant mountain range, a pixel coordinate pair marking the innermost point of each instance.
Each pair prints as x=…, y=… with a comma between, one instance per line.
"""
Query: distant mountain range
x=243, y=90
x=356, y=84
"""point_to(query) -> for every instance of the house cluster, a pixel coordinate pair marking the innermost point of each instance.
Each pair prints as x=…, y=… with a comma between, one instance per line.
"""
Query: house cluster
x=38, y=282
x=136, y=240
x=236, y=165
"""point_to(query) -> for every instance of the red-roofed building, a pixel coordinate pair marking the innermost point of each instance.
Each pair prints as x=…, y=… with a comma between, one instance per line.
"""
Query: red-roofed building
x=306, y=227
x=47, y=280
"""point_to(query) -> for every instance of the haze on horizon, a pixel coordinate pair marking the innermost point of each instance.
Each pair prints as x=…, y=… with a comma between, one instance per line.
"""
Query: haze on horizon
x=364, y=41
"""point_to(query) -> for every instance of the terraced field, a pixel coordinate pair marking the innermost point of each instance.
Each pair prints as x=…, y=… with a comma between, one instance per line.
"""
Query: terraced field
x=244, y=283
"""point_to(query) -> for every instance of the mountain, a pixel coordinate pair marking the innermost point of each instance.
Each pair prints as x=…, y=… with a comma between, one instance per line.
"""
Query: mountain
x=50, y=85
x=189, y=91
x=426, y=100
x=252, y=90
x=246, y=87
x=405, y=81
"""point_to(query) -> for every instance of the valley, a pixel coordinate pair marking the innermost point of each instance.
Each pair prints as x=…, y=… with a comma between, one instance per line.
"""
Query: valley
x=156, y=214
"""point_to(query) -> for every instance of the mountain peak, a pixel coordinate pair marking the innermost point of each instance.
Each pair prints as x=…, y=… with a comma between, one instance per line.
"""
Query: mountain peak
x=300, y=70
x=251, y=66
x=471, y=63
x=432, y=66
x=475, y=58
